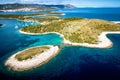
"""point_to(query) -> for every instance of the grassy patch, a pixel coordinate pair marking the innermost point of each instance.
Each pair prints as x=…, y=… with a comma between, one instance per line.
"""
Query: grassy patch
x=27, y=16
x=74, y=29
x=28, y=54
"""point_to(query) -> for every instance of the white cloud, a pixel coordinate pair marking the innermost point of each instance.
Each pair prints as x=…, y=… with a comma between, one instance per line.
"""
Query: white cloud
x=28, y=1
x=43, y=1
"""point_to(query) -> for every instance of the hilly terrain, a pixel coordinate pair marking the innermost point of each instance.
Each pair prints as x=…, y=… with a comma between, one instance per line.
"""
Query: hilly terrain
x=31, y=7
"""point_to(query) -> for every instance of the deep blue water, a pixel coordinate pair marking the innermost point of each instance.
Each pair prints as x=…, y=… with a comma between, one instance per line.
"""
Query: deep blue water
x=111, y=14
x=72, y=63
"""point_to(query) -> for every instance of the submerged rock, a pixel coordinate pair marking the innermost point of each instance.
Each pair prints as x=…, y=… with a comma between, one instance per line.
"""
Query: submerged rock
x=1, y=25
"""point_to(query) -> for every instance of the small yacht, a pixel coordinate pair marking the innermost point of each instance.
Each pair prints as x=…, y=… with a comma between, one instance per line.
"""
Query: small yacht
x=16, y=27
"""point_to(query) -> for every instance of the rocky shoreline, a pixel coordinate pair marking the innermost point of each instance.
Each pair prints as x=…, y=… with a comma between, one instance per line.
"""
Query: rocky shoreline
x=36, y=61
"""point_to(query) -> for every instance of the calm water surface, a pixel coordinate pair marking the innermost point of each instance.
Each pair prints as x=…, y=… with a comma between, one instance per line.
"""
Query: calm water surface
x=72, y=63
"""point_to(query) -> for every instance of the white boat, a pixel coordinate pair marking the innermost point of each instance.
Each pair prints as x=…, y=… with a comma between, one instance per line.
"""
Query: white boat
x=16, y=27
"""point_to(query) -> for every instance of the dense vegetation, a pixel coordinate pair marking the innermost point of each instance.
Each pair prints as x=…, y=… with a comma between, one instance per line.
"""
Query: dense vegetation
x=28, y=54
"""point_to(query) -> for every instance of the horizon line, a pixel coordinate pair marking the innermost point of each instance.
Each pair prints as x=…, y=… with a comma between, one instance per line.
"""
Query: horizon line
x=64, y=4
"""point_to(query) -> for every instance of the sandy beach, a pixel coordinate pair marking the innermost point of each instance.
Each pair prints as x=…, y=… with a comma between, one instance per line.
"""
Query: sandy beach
x=103, y=41
x=40, y=33
x=36, y=61
x=118, y=22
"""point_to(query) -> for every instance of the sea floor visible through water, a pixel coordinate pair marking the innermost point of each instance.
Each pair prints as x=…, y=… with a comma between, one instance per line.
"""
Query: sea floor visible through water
x=72, y=62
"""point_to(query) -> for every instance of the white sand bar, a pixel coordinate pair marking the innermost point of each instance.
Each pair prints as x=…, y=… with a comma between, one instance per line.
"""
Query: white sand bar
x=116, y=21
x=103, y=42
x=36, y=61
x=13, y=63
x=22, y=32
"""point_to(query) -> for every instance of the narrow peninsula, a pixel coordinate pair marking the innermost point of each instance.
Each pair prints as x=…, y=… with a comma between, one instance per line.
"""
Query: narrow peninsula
x=76, y=31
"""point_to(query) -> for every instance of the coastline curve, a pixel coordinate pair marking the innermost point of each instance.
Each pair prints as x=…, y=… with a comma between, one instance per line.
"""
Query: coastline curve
x=103, y=41
x=36, y=61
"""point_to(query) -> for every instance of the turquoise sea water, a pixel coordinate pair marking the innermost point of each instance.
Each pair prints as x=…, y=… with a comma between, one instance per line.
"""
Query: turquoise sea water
x=72, y=63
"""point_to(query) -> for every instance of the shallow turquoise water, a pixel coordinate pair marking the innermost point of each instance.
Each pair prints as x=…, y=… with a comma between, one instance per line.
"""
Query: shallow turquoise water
x=72, y=63
x=11, y=41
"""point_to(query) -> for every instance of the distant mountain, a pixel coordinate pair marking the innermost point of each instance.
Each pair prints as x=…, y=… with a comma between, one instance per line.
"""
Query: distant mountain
x=59, y=6
x=31, y=7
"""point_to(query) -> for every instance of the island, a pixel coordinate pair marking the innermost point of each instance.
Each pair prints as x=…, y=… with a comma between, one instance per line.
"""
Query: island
x=32, y=57
x=74, y=31
x=29, y=17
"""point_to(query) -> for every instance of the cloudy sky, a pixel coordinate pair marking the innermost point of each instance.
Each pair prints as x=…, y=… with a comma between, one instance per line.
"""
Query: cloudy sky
x=78, y=3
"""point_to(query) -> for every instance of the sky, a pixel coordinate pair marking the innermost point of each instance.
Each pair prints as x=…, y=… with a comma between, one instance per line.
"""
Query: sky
x=77, y=3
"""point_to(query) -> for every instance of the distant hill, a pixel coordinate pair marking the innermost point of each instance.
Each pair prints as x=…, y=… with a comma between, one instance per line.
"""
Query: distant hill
x=59, y=6
x=22, y=7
